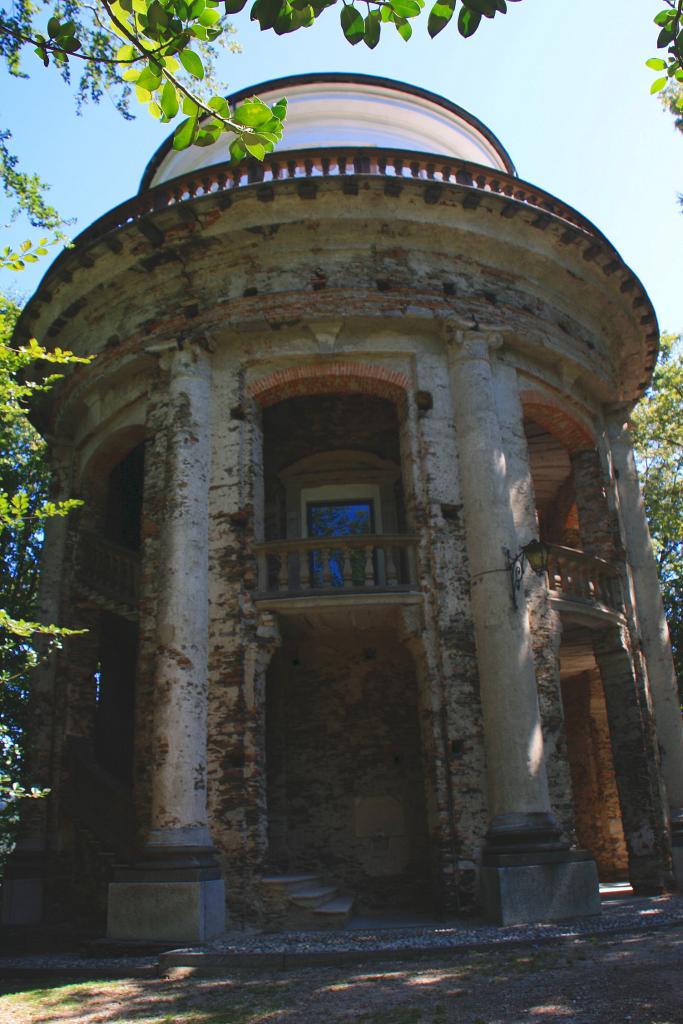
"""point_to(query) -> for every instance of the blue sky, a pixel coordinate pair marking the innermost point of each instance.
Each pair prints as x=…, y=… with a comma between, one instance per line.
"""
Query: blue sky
x=563, y=85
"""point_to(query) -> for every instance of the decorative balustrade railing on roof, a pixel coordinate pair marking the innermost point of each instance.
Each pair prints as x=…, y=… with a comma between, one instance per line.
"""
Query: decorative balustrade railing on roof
x=350, y=564
x=577, y=577
x=108, y=572
x=308, y=166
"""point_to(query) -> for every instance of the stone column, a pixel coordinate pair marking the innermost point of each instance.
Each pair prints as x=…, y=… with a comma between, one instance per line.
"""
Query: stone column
x=528, y=872
x=654, y=632
x=636, y=764
x=176, y=892
x=545, y=624
x=25, y=871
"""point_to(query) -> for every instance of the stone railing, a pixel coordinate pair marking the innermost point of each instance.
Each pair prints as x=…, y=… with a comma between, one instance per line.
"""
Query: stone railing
x=108, y=572
x=306, y=167
x=578, y=577
x=332, y=564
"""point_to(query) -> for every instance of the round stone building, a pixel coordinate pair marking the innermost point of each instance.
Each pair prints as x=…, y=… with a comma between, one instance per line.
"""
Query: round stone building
x=372, y=616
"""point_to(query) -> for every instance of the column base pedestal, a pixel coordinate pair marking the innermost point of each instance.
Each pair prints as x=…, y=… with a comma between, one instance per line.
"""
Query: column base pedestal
x=172, y=898
x=22, y=889
x=532, y=889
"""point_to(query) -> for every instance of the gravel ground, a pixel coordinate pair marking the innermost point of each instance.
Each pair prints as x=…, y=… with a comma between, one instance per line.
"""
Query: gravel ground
x=381, y=941
x=606, y=979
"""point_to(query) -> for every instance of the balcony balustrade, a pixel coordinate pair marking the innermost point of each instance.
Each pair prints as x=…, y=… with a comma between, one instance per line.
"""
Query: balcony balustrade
x=108, y=573
x=582, y=579
x=334, y=565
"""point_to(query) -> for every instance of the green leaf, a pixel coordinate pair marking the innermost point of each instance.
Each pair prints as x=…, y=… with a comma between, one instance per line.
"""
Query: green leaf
x=158, y=15
x=352, y=24
x=485, y=7
x=266, y=12
x=209, y=17
x=234, y=6
x=468, y=22
x=196, y=8
x=253, y=113
x=192, y=63
x=255, y=149
x=54, y=28
x=404, y=28
x=149, y=80
x=439, y=16
x=126, y=53
x=279, y=110
x=664, y=17
x=237, y=151
x=372, y=29
x=665, y=37
x=658, y=85
x=406, y=8
x=185, y=133
x=208, y=134
x=656, y=63
x=41, y=52
x=169, y=100
x=220, y=105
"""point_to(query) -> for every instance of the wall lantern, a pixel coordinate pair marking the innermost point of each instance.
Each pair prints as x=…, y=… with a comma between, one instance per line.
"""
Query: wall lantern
x=535, y=555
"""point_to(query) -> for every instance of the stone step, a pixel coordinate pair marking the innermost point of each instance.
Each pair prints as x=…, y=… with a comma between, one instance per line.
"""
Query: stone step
x=312, y=896
x=338, y=908
x=289, y=881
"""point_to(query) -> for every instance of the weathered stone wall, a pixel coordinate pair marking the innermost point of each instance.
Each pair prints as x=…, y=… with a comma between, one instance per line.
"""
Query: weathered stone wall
x=282, y=293
x=596, y=799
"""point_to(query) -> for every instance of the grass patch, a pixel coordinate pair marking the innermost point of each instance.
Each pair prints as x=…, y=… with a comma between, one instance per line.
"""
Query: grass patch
x=158, y=1001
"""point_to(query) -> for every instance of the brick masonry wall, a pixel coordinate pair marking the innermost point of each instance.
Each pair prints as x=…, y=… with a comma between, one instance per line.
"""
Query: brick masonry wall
x=346, y=792
x=596, y=799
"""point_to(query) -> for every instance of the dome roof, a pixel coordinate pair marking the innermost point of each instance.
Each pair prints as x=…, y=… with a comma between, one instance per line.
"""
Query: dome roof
x=351, y=110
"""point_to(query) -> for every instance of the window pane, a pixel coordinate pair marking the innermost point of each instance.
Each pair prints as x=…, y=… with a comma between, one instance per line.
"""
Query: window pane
x=339, y=519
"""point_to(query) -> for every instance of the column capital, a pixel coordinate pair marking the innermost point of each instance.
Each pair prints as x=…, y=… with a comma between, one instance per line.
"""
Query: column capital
x=467, y=344
x=180, y=353
x=618, y=416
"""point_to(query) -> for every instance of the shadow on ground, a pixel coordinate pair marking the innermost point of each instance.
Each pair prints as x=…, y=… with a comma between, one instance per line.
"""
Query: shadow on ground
x=637, y=979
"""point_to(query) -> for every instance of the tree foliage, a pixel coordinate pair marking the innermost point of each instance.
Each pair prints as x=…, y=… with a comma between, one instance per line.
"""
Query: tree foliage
x=24, y=507
x=670, y=39
x=658, y=439
x=672, y=100
x=164, y=50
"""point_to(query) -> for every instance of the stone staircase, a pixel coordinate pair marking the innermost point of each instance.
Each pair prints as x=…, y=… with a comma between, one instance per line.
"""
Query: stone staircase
x=304, y=901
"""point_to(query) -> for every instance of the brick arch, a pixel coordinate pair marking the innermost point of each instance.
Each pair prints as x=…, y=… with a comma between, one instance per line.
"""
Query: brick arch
x=350, y=378
x=112, y=449
x=550, y=415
